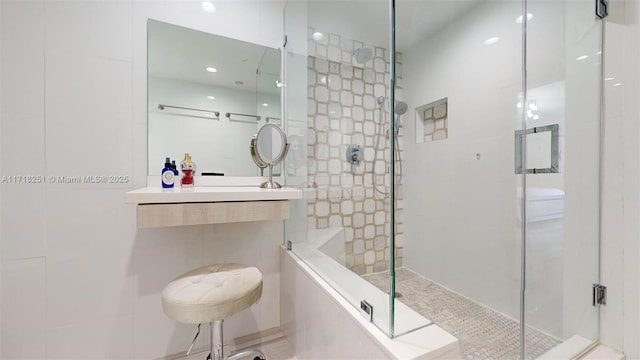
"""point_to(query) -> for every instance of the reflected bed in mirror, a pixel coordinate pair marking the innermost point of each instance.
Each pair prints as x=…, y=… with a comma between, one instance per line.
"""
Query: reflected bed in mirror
x=208, y=114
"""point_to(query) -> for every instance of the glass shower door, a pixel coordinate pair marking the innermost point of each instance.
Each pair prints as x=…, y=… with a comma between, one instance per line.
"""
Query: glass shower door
x=563, y=108
x=462, y=79
x=347, y=106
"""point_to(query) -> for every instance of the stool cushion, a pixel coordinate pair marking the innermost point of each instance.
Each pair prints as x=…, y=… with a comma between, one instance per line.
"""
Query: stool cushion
x=213, y=292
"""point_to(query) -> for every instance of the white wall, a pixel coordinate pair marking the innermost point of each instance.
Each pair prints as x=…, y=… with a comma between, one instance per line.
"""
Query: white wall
x=78, y=279
x=630, y=273
x=620, y=319
x=1, y=57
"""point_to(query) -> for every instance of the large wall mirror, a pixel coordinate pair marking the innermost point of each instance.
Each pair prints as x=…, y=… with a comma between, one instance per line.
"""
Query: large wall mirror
x=210, y=114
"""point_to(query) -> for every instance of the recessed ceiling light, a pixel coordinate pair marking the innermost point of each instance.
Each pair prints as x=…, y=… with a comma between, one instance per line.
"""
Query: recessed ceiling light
x=211, y=97
x=265, y=104
x=617, y=84
x=317, y=36
x=212, y=69
x=529, y=17
x=491, y=40
x=208, y=6
x=278, y=83
x=609, y=79
x=582, y=57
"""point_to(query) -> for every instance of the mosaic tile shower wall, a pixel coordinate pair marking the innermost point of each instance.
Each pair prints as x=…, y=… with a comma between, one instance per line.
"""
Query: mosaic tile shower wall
x=343, y=110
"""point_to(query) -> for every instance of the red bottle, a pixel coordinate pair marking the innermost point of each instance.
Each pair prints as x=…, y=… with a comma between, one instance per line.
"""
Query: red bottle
x=188, y=171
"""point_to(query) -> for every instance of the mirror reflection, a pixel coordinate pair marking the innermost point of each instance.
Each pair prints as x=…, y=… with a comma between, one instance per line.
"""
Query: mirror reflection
x=207, y=95
x=270, y=143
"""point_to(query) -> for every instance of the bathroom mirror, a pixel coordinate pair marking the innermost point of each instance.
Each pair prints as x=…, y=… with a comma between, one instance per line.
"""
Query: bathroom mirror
x=268, y=148
x=205, y=112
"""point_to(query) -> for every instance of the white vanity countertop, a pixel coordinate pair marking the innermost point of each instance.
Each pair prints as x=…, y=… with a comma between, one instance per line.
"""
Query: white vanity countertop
x=158, y=195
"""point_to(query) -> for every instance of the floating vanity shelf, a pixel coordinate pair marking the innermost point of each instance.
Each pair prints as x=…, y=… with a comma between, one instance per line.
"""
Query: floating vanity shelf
x=209, y=205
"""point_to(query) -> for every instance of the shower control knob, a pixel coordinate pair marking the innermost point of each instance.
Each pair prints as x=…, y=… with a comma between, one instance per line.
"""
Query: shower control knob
x=354, y=154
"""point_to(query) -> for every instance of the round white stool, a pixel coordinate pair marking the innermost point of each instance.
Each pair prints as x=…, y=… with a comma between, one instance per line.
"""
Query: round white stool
x=210, y=294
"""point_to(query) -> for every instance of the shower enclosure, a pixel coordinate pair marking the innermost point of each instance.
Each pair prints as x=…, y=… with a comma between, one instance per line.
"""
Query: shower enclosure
x=449, y=153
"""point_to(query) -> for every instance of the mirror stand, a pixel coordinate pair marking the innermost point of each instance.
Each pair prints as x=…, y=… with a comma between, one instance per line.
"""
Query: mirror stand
x=270, y=184
x=268, y=148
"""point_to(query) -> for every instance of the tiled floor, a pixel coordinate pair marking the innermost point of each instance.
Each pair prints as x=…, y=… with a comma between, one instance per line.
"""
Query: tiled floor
x=483, y=333
x=277, y=349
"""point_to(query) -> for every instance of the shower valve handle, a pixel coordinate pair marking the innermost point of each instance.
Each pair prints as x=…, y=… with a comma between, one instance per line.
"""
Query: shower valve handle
x=354, y=154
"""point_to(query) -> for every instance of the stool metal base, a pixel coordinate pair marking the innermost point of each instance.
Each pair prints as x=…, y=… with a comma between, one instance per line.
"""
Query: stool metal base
x=247, y=354
x=217, y=348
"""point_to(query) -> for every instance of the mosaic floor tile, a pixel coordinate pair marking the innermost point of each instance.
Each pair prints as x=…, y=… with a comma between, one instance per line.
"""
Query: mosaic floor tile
x=483, y=333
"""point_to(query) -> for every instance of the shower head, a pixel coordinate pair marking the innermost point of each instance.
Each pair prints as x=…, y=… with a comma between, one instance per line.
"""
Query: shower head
x=401, y=107
x=362, y=55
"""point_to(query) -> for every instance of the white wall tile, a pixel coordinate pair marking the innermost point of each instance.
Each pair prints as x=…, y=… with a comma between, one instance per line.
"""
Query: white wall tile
x=93, y=287
x=22, y=127
x=1, y=32
x=23, y=220
x=626, y=13
x=93, y=28
x=89, y=257
x=109, y=338
x=160, y=255
x=632, y=179
x=84, y=222
x=23, y=309
x=23, y=32
x=88, y=116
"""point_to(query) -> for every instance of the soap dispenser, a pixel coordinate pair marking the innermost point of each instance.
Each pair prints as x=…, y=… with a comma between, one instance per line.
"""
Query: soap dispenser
x=168, y=175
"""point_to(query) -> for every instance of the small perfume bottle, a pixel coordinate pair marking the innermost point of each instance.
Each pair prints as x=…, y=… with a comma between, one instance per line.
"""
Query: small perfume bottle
x=168, y=175
x=174, y=167
x=188, y=171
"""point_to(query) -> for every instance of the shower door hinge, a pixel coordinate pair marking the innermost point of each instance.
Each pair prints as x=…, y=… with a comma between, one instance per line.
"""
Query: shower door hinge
x=289, y=245
x=599, y=295
x=602, y=8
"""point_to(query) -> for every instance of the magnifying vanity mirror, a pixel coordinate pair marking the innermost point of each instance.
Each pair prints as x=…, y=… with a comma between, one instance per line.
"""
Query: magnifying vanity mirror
x=268, y=148
x=208, y=94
